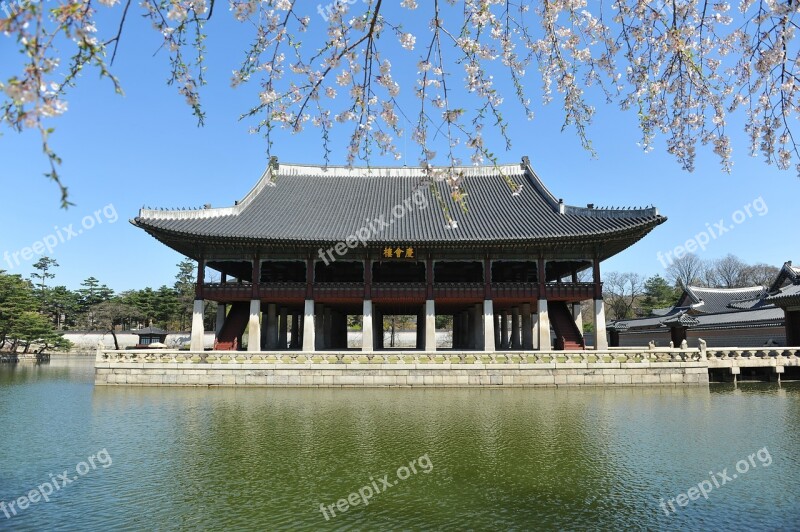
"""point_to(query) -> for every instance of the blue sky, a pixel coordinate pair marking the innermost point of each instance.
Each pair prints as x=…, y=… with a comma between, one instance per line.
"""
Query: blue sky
x=123, y=152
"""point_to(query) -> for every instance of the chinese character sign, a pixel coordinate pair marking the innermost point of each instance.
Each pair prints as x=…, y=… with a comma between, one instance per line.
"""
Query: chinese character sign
x=392, y=252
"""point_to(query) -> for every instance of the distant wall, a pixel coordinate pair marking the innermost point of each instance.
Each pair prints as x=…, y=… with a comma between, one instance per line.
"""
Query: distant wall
x=740, y=337
x=85, y=342
x=642, y=339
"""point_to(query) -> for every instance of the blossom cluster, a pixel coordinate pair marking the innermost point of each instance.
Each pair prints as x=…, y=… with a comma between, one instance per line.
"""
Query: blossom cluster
x=682, y=66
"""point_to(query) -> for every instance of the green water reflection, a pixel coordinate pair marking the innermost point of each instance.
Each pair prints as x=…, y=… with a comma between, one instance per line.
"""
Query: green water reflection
x=501, y=459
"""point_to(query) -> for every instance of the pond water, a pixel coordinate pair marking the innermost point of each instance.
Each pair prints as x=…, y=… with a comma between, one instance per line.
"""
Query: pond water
x=128, y=458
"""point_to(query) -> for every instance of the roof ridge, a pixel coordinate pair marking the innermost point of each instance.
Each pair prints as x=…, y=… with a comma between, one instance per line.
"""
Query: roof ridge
x=290, y=169
x=723, y=289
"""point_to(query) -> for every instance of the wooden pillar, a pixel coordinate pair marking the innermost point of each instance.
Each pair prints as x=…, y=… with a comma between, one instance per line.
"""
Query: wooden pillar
x=255, y=278
x=367, y=279
x=309, y=279
x=541, y=278
x=598, y=287
x=201, y=278
x=487, y=278
x=429, y=278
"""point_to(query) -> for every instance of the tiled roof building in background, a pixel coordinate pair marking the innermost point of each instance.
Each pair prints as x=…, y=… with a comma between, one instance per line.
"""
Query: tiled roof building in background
x=754, y=316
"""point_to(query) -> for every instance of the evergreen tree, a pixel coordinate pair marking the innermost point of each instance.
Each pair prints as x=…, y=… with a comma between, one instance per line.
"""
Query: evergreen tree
x=658, y=294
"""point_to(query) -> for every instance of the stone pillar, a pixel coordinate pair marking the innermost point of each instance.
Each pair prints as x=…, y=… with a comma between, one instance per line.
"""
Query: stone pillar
x=272, y=326
x=527, y=327
x=504, y=329
x=327, y=328
x=319, y=323
x=254, y=326
x=308, y=326
x=544, y=327
x=430, y=326
x=577, y=313
x=477, y=340
x=515, y=325
x=198, y=332
x=294, y=343
x=488, y=326
x=534, y=331
x=495, y=326
x=600, y=338
x=283, y=330
x=220, y=318
x=367, y=341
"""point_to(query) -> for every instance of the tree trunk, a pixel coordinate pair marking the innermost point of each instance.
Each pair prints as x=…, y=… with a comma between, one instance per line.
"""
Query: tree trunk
x=114, y=335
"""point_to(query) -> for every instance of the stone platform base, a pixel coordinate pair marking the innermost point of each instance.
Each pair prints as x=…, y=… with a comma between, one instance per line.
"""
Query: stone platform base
x=401, y=375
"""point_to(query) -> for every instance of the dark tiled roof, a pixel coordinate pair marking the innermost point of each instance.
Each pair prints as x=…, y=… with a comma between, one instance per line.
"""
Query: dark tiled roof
x=312, y=204
x=788, y=273
x=683, y=320
x=712, y=300
x=786, y=295
x=648, y=322
x=150, y=331
x=762, y=316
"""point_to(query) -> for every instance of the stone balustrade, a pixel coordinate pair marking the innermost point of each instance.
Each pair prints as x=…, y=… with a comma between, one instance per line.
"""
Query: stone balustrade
x=737, y=353
x=551, y=358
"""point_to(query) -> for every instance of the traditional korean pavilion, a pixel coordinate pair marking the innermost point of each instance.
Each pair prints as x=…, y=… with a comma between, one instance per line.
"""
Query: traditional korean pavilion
x=310, y=245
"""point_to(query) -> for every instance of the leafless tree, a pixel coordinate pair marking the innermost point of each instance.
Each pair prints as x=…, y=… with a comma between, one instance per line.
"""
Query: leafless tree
x=686, y=270
x=729, y=272
x=760, y=274
x=620, y=291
